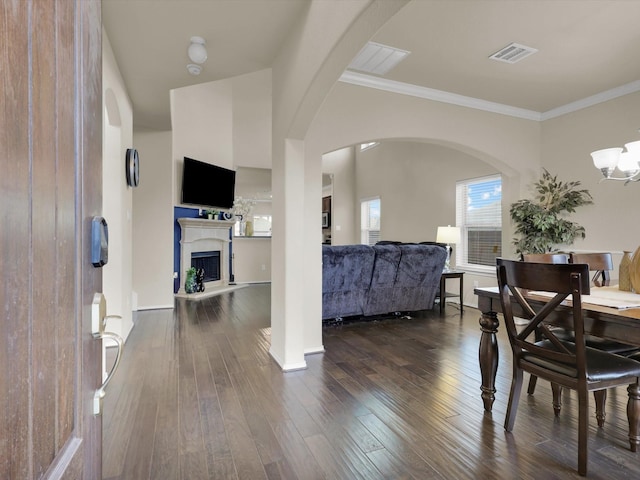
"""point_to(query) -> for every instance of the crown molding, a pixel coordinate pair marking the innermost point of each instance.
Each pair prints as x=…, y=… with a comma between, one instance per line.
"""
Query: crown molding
x=435, y=95
x=592, y=100
x=401, y=88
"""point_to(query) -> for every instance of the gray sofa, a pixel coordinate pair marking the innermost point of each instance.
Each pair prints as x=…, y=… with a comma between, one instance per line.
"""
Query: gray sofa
x=385, y=278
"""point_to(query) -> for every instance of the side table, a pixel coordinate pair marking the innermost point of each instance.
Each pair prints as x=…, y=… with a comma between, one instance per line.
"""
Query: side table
x=446, y=274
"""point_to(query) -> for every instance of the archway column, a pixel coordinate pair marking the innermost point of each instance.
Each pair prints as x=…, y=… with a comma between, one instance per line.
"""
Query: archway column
x=308, y=65
x=288, y=253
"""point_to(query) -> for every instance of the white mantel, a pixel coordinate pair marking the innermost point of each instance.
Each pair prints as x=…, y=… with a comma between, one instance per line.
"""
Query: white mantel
x=203, y=235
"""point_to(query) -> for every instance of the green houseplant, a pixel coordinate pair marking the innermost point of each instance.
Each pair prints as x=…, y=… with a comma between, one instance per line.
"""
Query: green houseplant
x=190, y=281
x=540, y=223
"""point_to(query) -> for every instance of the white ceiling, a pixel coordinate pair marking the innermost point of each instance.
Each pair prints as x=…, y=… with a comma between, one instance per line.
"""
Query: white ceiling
x=585, y=47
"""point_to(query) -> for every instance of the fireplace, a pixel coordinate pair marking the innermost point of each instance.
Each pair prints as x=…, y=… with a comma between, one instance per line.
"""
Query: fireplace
x=204, y=238
x=209, y=262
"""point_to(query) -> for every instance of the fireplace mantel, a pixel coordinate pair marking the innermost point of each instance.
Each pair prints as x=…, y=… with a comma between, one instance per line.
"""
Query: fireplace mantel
x=201, y=235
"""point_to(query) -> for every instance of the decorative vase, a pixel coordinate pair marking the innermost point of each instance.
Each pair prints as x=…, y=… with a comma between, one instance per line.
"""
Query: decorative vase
x=624, y=277
x=634, y=271
x=248, y=229
x=241, y=228
x=190, y=285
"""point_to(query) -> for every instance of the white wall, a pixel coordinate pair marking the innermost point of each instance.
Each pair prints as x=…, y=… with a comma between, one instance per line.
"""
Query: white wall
x=566, y=144
x=153, y=226
x=344, y=210
x=416, y=183
x=116, y=195
x=251, y=96
x=225, y=123
x=252, y=259
x=201, y=119
x=252, y=256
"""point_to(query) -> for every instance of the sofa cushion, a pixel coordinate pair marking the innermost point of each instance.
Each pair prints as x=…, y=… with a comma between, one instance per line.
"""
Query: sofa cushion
x=346, y=277
x=383, y=279
x=418, y=276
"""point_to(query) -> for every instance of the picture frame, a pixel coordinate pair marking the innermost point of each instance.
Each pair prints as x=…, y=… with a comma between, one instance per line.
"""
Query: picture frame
x=326, y=222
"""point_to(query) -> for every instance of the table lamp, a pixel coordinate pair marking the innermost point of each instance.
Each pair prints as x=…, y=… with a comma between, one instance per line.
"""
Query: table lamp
x=448, y=235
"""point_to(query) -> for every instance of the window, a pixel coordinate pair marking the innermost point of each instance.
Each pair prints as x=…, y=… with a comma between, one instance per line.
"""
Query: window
x=370, y=221
x=479, y=216
x=261, y=226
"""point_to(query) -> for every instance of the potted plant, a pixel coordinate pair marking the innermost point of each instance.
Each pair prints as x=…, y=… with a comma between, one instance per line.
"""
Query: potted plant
x=211, y=213
x=540, y=223
x=190, y=281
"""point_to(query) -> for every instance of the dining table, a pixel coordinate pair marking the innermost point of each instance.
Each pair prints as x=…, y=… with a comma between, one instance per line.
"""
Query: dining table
x=608, y=313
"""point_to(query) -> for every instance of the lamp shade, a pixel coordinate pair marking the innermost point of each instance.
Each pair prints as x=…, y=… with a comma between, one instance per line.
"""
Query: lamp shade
x=631, y=157
x=448, y=235
x=628, y=162
x=606, y=158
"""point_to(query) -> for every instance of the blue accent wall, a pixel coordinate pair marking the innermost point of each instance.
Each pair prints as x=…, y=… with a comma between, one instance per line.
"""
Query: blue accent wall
x=179, y=212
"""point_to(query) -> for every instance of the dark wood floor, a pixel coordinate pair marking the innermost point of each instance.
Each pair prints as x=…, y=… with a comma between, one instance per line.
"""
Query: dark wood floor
x=197, y=396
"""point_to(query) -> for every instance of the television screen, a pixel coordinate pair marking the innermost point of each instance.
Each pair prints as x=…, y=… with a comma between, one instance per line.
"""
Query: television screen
x=207, y=185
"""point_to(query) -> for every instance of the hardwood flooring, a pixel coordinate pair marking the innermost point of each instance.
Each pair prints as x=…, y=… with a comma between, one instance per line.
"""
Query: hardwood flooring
x=197, y=396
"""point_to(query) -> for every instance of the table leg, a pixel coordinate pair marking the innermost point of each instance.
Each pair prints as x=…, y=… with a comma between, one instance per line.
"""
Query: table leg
x=633, y=414
x=443, y=297
x=488, y=357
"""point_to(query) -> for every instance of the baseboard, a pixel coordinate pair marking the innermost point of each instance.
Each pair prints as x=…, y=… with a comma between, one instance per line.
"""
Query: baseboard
x=314, y=350
x=155, y=307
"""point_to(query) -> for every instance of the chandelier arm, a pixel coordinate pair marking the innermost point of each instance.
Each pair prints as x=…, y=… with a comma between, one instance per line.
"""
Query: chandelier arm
x=631, y=178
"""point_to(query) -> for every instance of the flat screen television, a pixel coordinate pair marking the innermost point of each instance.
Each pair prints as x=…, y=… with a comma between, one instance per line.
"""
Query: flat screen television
x=207, y=185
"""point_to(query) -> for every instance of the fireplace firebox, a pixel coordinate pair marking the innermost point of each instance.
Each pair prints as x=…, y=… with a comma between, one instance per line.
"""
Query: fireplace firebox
x=209, y=262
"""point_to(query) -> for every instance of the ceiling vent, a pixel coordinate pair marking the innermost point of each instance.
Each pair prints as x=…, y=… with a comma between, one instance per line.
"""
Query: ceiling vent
x=377, y=58
x=512, y=53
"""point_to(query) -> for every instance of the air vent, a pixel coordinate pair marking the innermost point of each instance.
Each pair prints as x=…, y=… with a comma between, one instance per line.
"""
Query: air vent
x=377, y=58
x=512, y=53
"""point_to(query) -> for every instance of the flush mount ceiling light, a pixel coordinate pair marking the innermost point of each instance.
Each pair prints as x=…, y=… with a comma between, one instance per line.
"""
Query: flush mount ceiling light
x=197, y=54
x=377, y=58
x=512, y=53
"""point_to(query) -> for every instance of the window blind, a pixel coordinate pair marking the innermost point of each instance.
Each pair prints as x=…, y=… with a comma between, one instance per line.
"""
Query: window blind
x=479, y=216
x=370, y=221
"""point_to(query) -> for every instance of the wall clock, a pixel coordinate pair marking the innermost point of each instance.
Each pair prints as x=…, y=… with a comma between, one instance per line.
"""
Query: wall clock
x=132, y=167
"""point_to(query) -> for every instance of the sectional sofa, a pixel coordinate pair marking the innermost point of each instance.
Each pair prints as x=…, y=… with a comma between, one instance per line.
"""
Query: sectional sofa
x=362, y=280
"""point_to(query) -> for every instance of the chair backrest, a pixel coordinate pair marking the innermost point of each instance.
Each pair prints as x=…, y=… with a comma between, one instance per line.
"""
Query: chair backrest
x=545, y=257
x=601, y=263
x=536, y=339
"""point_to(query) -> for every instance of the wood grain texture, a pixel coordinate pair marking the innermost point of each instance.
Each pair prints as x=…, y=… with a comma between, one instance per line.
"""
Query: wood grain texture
x=396, y=399
x=43, y=198
x=40, y=402
x=65, y=330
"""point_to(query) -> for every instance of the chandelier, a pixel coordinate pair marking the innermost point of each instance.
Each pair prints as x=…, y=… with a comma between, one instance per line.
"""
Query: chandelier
x=627, y=162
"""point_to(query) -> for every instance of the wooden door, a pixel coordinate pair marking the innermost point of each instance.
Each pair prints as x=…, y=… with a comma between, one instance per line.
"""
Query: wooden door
x=50, y=188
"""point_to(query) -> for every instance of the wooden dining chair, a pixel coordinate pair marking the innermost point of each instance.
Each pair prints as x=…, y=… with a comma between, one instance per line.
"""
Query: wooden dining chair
x=555, y=258
x=545, y=257
x=537, y=350
x=601, y=263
